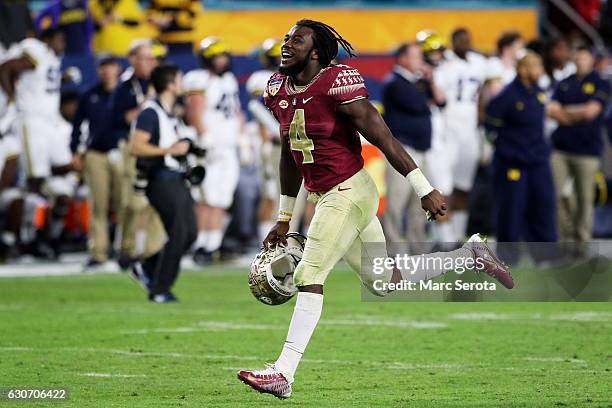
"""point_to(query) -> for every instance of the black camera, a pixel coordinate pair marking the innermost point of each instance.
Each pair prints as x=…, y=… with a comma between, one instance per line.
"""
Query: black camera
x=196, y=150
x=194, y=172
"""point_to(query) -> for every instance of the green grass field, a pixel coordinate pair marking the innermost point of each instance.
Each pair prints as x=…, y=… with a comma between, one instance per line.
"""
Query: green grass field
x=97, y=336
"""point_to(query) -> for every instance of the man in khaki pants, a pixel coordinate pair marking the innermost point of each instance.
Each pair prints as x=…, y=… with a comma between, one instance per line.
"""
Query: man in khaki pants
x=578, y=104
x=101, y=162
x=141, y=229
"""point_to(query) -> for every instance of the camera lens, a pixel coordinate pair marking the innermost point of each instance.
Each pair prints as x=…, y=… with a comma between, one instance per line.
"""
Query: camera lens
x=195, y=174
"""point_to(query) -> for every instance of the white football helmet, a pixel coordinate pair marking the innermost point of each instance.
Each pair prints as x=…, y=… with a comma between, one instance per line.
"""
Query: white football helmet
x=271, y=275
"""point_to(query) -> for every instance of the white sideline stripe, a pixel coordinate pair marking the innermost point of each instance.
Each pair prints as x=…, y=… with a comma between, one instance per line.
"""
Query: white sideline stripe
x=109, y=375
x=27, y=271
x=73, y=264
x=556, y=359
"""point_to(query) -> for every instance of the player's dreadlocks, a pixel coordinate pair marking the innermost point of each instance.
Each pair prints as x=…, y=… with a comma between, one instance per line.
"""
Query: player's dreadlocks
x=326, y=40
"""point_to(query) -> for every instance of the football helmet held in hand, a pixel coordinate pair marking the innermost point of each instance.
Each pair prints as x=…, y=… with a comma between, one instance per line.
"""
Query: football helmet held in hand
x=271, y=275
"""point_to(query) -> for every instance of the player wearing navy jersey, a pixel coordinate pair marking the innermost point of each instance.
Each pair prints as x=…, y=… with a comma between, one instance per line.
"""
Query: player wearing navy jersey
x=321, y=108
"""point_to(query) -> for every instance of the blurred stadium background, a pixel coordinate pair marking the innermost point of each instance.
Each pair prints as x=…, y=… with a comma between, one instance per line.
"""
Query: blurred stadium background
x=95, y=335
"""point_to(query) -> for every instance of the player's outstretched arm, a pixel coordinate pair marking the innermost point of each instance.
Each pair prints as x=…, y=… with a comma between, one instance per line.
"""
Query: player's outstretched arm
x=371, y=125
x=290, y=182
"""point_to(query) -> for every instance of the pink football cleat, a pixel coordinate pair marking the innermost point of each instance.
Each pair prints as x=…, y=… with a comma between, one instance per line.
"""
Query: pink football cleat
x=268, y=381
x=493, y=266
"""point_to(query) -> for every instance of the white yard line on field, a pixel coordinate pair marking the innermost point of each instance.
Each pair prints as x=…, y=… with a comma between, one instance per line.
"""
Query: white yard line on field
x=397, y=365
x=109, y=375
x=164, y=330
x=584, y=316
x=221, y=325
x=204, y=326
x=476, y=316
x=393, y=365
x=413, y=324
x=211, y=325
x=550, y=369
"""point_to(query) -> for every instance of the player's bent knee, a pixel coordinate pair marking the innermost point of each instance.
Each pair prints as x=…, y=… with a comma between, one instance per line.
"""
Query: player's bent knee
x=305, y=275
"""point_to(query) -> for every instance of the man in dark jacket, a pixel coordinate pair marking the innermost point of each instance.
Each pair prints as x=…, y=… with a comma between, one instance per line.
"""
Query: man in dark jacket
x=579, y=104
x=102, y=164
x=407, y=95
x=136, y=215
x=522, y=175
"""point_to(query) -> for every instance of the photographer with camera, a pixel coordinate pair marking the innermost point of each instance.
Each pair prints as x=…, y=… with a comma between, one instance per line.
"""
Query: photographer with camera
x=164, y=174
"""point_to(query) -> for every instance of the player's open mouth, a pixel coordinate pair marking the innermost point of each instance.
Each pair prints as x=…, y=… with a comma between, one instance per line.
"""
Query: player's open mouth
x=285, y=56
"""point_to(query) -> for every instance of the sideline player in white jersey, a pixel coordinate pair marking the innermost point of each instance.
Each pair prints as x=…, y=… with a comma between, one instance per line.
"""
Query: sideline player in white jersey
x=501, y=68
x=434, y=47
x=460, y=77
x=8, y=113
x=558, y=65
x=269, y=131
x=11, y=201
x=31, y=77
x=213, y=109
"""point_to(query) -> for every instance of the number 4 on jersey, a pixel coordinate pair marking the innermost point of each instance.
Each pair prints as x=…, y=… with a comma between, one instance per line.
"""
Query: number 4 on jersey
x=298, y=138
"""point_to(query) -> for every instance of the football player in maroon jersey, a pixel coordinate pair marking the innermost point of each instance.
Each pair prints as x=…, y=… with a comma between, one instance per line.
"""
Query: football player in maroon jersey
x=322, y=108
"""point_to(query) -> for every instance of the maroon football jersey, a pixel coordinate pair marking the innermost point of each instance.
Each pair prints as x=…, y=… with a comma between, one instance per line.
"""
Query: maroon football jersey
x=325, y=146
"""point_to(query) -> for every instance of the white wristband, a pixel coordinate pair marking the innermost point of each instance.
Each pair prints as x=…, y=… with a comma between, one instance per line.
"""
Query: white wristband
x=419, y=183
x=285, y=208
